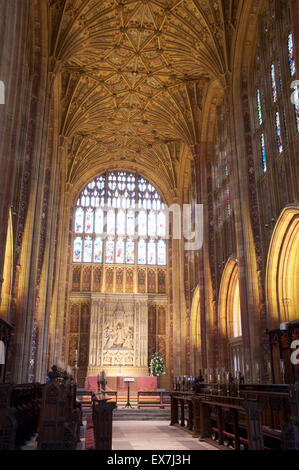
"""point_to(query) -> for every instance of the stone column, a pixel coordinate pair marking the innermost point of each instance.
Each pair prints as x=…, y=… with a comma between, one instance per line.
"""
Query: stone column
x=142, y=306
x=93, y=341
x=247, y=230
x=201, y=153
x=13, y=35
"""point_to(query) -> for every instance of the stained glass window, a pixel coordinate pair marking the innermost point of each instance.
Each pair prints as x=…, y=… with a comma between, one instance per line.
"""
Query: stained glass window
x=263, y=148
x=99, y=221
x=274, y=87
x=278, y=133
x=259, y=107
x=111, y=211
x=151, y=252
x=142, y=224
x=120, y=251
x=130, y=252
x=130, y=223
x=152, y=226
x=227, y=202
x=110, y=251
x=79, y=220
x=161, y=230
x=87, y=258
x=121, y=222
x=141, y=252
x=89, y=221
x=111, y=222
x=291, y=55
x=285, y=127
x=77, y=255
x=161, y=253
x=297, y=110
x=98, y=250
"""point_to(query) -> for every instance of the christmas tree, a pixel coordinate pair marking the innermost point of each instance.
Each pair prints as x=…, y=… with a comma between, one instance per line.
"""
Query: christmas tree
x=157, y=365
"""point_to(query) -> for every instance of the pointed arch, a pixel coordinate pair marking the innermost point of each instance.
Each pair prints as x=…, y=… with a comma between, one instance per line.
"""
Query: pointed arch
x=7, y=272
x=229, y=315
x=196, y=362
x=282, y=278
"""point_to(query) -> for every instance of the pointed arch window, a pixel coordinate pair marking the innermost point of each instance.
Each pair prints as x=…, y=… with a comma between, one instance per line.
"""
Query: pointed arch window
x=89, y=215
x=98, y=250
x=278, y=132
x=263, y=150
x=110, y=251
x=291, y=55
x=274, y=87
x=259, y=107
x=120, y=218
x=161, y=253
x=120, y=251
x=79, y=220
x=130, y=253
x=99, y=221
x=87, y=250
x=142, y=252
x=152, y=252
x=77, y=254
x=274, y=74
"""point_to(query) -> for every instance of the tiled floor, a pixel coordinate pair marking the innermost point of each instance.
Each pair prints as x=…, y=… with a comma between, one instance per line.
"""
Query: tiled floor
x=153, y=435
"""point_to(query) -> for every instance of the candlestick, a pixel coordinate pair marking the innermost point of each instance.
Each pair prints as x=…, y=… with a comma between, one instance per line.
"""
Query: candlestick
x=269, y=372
x=257, y=370
x=247, y=373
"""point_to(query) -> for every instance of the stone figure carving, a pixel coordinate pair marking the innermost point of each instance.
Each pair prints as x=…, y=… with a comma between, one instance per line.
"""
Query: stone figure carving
x=129, y=341
x=118, y=331
x=118, y=334
x=119, y=337
x=108, y=337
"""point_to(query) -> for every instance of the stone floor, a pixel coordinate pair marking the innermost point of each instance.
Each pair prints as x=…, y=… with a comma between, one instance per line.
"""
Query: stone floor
x=153, y=435
x=143, y=435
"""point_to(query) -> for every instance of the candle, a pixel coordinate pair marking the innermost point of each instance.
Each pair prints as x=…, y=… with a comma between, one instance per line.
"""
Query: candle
x=76, y=355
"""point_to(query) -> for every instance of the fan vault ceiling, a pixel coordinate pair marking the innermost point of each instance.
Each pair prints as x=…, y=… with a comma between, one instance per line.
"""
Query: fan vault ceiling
x=134, y=76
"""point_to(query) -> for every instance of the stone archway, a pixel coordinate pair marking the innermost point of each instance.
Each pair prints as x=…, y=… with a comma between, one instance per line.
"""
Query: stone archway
x=7, y=273
x=196, y=360
x=282, y=279
x=229, y=314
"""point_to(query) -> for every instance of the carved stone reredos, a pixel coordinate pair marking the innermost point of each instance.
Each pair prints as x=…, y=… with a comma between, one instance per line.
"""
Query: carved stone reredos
x=119, y=331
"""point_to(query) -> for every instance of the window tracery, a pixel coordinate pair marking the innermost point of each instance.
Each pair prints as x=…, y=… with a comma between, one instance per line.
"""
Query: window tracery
x=120, y=219
x=274, y=71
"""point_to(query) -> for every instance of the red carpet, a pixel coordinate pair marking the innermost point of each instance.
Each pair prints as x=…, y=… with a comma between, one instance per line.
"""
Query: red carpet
x=89, y=436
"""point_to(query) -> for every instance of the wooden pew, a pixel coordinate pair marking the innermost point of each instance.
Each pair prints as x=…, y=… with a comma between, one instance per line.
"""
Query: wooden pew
x=158, y=399
x=19, y=412
x=60, y=418
x=263, y=413
x=182, y=410
x=8, y=422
